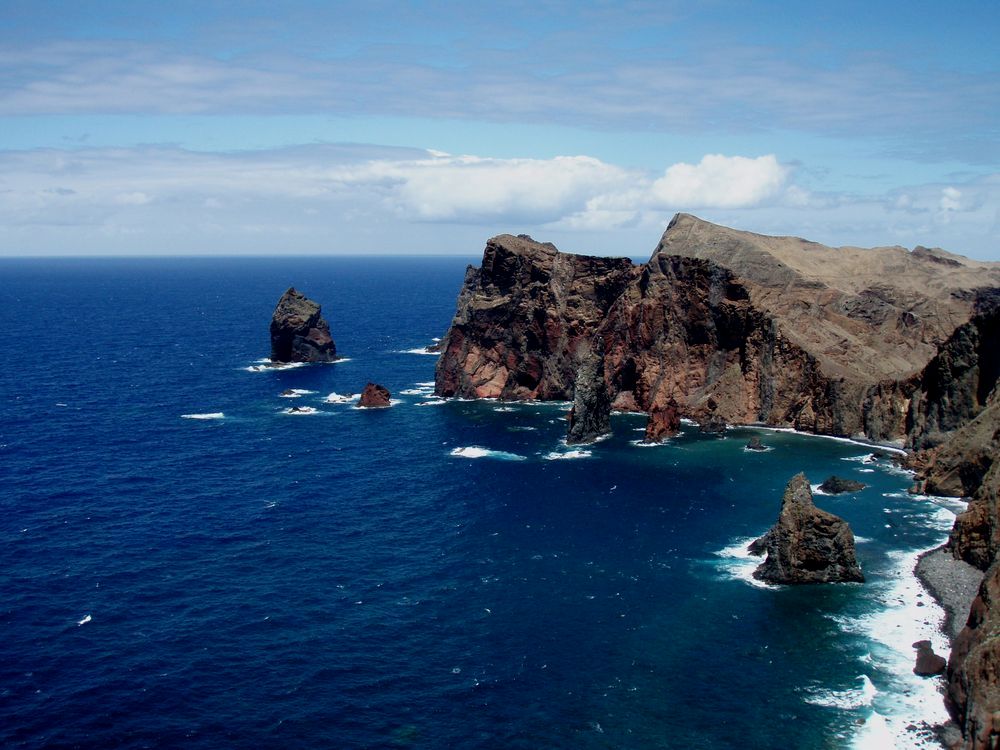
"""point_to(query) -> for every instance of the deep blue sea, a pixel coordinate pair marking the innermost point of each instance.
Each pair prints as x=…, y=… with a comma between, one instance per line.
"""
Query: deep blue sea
x=432, y=575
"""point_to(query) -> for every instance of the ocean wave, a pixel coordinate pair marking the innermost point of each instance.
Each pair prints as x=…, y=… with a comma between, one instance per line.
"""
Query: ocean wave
x=901, y=615
x=432, y=402
x=206, y=415
x=648, y=444
x=416, y=391
x=852, y=698
x=418, y=350
x=576, y=453
x=84, y=621
x=266, y=365
x=851, y=441
x=295, y=393
x=300, y=410
x=475, y=451
x=427, y=384
x=337, y=398
x=737, y=564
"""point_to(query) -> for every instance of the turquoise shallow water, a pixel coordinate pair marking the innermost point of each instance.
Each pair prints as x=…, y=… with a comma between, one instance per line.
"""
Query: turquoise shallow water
x=431, y=575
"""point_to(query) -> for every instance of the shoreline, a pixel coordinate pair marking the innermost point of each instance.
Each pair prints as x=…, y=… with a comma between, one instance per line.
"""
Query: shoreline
x=953, y=584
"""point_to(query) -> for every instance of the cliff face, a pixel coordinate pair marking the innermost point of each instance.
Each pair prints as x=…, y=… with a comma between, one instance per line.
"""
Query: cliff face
x=731, y=325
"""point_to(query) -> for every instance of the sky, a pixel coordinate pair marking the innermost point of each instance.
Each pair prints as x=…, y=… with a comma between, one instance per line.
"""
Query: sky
x=253, y=128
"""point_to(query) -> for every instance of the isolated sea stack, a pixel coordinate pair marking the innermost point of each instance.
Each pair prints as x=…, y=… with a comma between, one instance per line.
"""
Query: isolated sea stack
x=664, y=421
x=375, y=396
x=298, y=331
x=806, y=545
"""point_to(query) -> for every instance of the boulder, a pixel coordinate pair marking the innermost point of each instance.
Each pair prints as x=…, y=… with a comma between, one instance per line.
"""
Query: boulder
x=806, y=545
x=754, y=444
x=837, y=485
x=375, y=396
x=298, y=331
x=928, y=664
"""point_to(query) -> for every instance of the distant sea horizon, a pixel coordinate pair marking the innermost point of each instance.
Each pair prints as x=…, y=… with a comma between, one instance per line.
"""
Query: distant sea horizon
x=189, y=561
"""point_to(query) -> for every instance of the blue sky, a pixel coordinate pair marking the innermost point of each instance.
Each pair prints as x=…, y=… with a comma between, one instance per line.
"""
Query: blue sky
x=392, y=127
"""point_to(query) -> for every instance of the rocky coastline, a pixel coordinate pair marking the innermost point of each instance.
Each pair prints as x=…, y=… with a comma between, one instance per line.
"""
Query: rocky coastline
x=885, y=345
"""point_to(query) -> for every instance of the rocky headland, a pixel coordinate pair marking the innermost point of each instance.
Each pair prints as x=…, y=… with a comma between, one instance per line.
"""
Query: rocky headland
x=298, y=331
x=729, y=327
x=736, y=328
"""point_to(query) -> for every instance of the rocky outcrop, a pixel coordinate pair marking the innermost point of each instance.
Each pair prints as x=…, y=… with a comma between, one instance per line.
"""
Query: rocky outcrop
x=806, y=545
x=664, y=421
x=375, y=396
x=590, y=417
x=298, y=331
x=734, y=327
x=754, y=444
x=837, y=486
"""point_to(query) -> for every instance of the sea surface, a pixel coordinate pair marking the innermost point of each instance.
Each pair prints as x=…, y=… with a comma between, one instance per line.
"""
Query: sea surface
x=183, y=563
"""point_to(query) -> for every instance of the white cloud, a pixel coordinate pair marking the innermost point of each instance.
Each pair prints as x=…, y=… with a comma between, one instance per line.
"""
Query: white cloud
x=324, y=199
x=470, y=189
x=951, y=199
x=719, y=181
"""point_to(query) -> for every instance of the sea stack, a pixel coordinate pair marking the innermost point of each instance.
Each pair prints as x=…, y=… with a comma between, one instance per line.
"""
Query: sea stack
x=375, y=396
x=664, y=421
x=590, y=417
x=298, y=331
x=806, y=545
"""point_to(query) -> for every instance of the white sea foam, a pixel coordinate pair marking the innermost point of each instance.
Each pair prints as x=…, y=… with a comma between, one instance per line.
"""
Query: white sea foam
x=904, y=614
x=418, y=350
x=852, y=441
x=415, y=391
x=736, y=562
x=84, y=621
x=206, y=415
x=859, y=697
x=475, y=451
x=648, y=444
x=337, y=398
x=521, y=428
x=503, y=408
x=427, y=384
x=295, y=393
x=432, y=402
x=577, y=453
x=817, y=491
x=266, y=365
x=300, y=410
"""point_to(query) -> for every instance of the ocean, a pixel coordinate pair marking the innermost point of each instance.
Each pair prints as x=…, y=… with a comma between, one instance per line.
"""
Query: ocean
x=184, y=563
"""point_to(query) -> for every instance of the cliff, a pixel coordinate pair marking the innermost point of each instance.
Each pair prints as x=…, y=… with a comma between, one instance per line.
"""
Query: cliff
x=728, y=326
x=734, y=327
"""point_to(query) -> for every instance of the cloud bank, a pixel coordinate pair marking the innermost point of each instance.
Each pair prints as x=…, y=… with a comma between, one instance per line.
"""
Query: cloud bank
x=355, y=198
